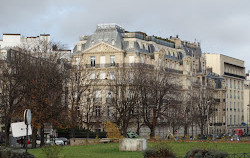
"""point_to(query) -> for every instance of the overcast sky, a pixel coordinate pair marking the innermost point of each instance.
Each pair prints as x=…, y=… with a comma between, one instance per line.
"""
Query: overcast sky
x=222, y=26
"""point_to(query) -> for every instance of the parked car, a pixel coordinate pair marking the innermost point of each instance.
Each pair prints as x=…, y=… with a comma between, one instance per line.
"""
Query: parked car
x=65, y=140
x=22, y=140
x=202, y=137
x=219, y=136
x=57, y=141
x=238, y=132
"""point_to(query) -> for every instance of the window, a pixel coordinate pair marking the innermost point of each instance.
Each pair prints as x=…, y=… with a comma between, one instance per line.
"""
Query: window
x=102, y=75
x=112, y=75
x=131, y=59
x=131, y=77
x=109, y=111
x=92, y=76
x=92, y=61
x=113, y=42
x=187, y=68
x=109, y=95
x=77, y=76
x=112, y=60
x=102, y=61
x=230, y=119
x=142, y=59
x=97, y=110
x=98, y=96
x=77, y=61
x=159, y=62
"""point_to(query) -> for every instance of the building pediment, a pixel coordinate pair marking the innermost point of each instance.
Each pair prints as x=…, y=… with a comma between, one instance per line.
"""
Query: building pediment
x=102, y=47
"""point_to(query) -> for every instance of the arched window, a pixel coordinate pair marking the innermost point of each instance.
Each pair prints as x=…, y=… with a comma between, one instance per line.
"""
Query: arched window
x=113, y=42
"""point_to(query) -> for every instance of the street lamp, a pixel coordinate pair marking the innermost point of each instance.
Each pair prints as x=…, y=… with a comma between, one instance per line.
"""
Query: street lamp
x=247, y=116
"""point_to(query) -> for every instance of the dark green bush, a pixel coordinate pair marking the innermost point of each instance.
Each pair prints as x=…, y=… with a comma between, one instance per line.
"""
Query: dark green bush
x=80, y=133
x=161, y=150
x=14, y=153
x=203, y=153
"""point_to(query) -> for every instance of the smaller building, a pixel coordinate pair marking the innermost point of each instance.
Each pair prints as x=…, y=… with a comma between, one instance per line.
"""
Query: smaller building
x=233, y=71
x=246, y=107
x=218, y=120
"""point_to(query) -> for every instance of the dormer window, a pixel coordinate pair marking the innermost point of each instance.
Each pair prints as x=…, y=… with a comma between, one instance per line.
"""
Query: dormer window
x=113, y=42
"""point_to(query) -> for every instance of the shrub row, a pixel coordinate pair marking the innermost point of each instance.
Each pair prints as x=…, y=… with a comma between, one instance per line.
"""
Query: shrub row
x=14, y=153
x=164, y=151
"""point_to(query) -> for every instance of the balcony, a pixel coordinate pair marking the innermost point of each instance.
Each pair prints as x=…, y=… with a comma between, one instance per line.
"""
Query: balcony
x=97, y=100
x=108, y=100
x=138, y=65
x=173, y=71
x=233, y=75
x=110, y=65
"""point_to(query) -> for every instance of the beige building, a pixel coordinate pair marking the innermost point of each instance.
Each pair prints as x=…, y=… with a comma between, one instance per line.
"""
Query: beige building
x=233, y=71
x=247, y=102
x=110, y=47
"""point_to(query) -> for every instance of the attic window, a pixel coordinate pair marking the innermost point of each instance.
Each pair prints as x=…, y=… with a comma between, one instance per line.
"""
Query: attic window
x=113, y=42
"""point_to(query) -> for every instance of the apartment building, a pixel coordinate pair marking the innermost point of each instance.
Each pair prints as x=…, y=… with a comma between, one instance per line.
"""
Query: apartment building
x=233, y=71
x=111, y=47
x=217, y=123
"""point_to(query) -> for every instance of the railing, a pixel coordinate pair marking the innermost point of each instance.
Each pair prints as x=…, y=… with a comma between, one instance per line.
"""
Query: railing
x=97, y=100
x=173, y=70
x=132, y=65
x=234, y=75
x=102, y=65
x=138, y=65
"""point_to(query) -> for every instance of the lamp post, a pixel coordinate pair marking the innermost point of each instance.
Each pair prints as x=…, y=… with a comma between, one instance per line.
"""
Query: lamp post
x=247, y=116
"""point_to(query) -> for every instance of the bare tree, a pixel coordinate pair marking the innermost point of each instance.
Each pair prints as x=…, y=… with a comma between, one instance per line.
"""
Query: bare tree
x=11, y=85
x=123, y=97
x=158, y=89
x=204, y=106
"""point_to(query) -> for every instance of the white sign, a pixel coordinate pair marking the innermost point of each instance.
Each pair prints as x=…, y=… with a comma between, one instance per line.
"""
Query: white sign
x=19, y=129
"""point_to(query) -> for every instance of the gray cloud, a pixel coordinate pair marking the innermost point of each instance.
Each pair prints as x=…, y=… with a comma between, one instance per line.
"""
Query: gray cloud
x=221, y=26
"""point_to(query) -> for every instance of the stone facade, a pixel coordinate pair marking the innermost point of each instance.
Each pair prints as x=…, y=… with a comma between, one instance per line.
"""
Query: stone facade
x=111, y=46
x=233, y=71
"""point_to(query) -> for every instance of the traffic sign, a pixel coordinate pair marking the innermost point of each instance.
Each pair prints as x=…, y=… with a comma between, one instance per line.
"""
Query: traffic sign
x=27, y=116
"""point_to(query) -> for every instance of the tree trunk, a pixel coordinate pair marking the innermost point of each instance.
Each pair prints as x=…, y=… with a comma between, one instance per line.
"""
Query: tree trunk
x=87, y=130
x=72, y=132
x=138, y=126
x=7, y=132
x=185, y=131
x=34, y=134
x=202, y=129
x=173, y=131
x=152, y=133
x=42, y=135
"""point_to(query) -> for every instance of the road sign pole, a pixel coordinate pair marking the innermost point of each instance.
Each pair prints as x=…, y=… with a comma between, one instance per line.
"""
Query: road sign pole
x=27, y=120
x=27, y=128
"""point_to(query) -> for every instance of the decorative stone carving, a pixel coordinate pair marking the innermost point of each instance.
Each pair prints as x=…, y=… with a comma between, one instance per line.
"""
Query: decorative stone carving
x=102, y=47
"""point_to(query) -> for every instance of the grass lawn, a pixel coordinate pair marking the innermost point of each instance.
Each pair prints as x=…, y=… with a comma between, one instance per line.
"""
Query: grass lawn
x=111, y=150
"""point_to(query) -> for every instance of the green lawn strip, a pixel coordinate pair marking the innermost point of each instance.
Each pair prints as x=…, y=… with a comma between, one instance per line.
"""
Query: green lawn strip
x=111, y=150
